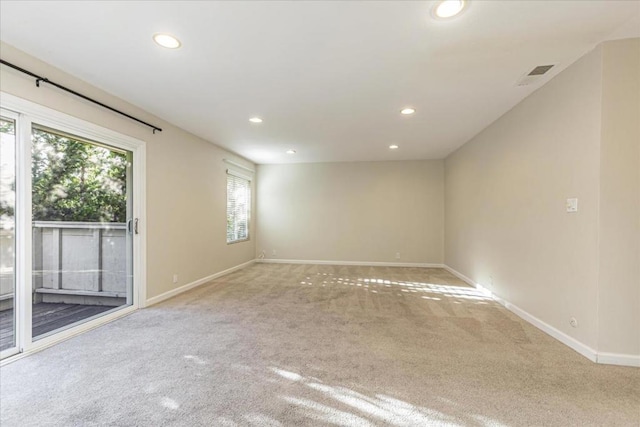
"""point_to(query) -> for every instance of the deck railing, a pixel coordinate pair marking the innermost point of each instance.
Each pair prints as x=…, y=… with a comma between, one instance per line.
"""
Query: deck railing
x=81, y=262
x=74, y=262
x=6, y=268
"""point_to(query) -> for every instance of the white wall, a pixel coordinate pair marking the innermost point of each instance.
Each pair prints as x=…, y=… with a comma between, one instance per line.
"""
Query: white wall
x=506, y=226
x=186, y=178
x=362, y=211
x=619, y=296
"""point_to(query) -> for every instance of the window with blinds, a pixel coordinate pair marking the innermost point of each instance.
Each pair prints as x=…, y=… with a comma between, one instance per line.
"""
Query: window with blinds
x=238, y=207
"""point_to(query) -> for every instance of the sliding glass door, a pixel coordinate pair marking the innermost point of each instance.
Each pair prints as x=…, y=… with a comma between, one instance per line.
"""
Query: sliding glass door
x=8, y=344
x=80, y=210
x=67, y=228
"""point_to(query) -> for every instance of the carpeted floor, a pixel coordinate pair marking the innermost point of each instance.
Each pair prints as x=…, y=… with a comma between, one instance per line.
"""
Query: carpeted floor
x=287, y=345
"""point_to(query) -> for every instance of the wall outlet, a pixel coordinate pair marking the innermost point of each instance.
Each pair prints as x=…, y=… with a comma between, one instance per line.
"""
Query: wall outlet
x=573, y=322
x=175, y=278
x=572, y=205
x=273, y=252
x=397, y=255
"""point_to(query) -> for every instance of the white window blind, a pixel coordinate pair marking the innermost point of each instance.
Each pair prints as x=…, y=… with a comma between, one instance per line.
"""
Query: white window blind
x=238, y=206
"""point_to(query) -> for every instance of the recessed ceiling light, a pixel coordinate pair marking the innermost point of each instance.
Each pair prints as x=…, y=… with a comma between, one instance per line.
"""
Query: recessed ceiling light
x=255, y=120
x=166, y=40
x=291, y=151
x=407, y=111
x=448, y=8
x=393, y=147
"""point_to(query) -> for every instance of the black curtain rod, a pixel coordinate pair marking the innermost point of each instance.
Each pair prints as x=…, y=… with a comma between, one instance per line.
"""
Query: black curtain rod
x=66, y=89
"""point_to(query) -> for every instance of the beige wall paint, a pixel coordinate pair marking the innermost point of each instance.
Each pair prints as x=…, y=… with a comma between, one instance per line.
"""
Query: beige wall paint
x=577, y=136
x=362, y=211
x=186, y=178
x=505, y=202
x=619, y=296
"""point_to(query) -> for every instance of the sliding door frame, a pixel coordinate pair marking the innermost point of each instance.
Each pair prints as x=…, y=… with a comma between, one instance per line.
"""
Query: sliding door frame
x=17, y=268
x=28, y=113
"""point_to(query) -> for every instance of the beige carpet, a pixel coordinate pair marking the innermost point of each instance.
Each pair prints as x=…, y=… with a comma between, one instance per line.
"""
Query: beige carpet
x=285, y=345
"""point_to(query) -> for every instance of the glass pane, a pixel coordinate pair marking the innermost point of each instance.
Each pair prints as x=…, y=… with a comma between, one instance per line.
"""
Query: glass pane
x=238, y=199
x=81, y=245
x=7, y=232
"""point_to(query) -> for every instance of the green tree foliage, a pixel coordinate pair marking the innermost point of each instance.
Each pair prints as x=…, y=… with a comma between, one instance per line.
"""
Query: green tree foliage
x=7, y=175
x=76, y=181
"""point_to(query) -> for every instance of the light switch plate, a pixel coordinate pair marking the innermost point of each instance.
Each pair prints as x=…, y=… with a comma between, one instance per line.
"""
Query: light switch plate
x=572, y=205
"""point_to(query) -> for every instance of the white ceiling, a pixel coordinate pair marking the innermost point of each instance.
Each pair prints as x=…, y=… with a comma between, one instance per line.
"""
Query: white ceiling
x=329, y=78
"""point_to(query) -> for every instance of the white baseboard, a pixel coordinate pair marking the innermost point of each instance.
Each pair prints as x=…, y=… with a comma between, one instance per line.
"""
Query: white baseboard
x=567, y=340
x=188, y=286
x=583, y=349
x=356, y=263
x=461, y=276
x=619, y=359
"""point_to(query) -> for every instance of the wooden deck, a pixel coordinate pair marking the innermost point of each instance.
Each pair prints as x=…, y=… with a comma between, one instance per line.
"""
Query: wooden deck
x=46, y=318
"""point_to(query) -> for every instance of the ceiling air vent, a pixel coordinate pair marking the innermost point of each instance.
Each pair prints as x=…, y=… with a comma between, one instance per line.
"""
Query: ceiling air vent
x=534, y=75
x=540, y=70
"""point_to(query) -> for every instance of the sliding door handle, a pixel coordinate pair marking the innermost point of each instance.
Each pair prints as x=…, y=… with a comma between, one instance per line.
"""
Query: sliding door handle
x=135, y=226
